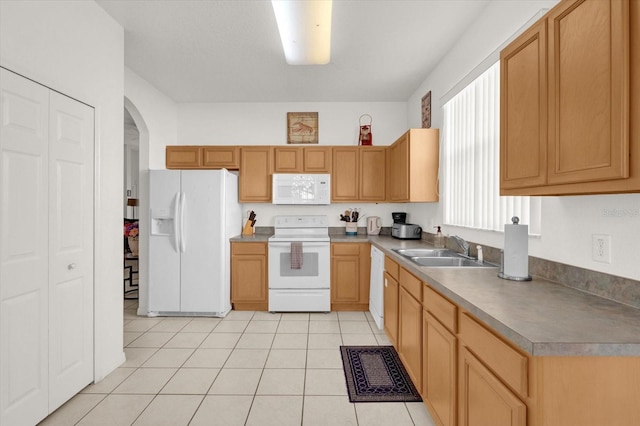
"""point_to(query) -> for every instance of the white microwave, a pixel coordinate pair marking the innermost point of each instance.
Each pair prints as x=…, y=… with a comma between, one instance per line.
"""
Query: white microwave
x=292, y=188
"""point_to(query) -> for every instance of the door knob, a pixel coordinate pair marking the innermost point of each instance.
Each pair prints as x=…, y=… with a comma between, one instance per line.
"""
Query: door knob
x=71, y=266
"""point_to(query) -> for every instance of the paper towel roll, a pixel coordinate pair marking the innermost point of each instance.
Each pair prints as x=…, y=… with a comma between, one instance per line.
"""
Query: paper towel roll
x=516, y=251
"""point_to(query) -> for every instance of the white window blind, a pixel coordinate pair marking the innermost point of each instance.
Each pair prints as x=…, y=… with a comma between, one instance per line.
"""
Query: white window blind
x=471, y=161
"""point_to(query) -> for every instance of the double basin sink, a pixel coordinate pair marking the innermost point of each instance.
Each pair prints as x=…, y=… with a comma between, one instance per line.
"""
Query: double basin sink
x=441, y=258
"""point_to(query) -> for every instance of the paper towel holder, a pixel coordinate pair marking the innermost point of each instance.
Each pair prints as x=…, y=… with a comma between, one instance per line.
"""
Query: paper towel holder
x=515, y=220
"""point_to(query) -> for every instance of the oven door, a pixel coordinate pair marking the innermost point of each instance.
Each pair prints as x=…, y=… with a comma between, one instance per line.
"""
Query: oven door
x=313, y=273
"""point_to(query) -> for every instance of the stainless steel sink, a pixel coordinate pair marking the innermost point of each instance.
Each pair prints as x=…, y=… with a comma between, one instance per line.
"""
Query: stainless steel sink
x=441, y=258
x=452, y=262
x=418, y=252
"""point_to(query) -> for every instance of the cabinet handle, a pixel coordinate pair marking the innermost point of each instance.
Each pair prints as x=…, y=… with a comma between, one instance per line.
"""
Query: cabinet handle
x=71, y=266
x=385, y=282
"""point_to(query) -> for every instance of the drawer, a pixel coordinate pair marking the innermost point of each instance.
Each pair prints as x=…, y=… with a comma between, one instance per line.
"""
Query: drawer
x=410, y=283
x=345, y=249
x=439, y=307
x=391, y=267
x=506, y=362
x=248, y=248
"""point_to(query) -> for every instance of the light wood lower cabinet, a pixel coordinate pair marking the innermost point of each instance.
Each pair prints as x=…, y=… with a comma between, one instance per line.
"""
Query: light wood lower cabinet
x=439, y=370
x=350, y=272
x=249, y=279
x=391, y=289
x=410, y=333
x=483, y=398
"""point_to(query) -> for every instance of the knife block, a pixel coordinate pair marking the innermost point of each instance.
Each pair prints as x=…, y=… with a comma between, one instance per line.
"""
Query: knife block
x=247, y=230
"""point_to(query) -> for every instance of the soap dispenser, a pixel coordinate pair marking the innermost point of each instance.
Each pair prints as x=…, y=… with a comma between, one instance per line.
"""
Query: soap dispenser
x=438, y=240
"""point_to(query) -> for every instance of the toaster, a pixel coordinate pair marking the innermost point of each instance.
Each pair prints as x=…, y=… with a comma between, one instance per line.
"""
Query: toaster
x=406, y=231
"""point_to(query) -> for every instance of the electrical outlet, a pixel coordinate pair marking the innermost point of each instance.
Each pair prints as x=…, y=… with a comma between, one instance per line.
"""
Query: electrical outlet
x=601, y=248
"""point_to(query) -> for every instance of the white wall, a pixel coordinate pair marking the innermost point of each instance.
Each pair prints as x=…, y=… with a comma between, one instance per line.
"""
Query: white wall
x=155, y=115
x=77, y=49
x=266, y=123
x=567, y=222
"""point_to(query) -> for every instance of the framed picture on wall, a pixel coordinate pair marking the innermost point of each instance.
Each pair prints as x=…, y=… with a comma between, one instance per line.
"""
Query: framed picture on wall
x=426, y=110
x=302, y=127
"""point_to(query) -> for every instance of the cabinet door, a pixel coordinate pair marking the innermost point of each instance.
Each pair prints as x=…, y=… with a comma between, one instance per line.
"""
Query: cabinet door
x=221, y=157
x=255, y=174
x=372, y=174
x=391, y=308
x=410, y=336
x=399, y=169
x=249, y=286
x=523, y=110
x=439, y=378
x=287, y=160
x=588, y=91
x=317, y=160
x=183, y=157
x=483, y=399
x=345, y=279
x=344, y=178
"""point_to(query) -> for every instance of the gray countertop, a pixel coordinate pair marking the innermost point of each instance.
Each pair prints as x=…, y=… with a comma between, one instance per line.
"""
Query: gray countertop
x=540, y=317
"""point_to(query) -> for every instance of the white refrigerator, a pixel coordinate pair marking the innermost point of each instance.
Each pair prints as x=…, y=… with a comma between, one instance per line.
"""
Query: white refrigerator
x=193, y=213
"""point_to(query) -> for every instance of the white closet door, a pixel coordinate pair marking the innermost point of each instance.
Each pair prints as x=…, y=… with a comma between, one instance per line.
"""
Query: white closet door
x=70, y=248
x=24, y=236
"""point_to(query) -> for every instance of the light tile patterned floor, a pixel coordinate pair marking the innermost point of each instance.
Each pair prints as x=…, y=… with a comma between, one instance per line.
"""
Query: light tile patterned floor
x=250, y=368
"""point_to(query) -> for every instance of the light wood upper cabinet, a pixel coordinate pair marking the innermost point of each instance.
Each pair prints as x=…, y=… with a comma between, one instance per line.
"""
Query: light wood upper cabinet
x=287, y=159
x=569, y=86
x=523, y=109
x=221, y=157
x=413, y=166
x=344, y=178
x=255, y=174
x=317, y=159
x=588, y=91
x=358, y=174
x=296, y=159
x=372, y=176
x=350, y=272
x=183, y=157
x=249, y=282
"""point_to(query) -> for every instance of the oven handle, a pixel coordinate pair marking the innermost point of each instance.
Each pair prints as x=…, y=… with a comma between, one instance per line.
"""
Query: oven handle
x=305, y=244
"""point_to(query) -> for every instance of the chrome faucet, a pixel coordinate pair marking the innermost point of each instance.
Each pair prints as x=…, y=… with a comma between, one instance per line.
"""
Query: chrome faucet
x=462, y=244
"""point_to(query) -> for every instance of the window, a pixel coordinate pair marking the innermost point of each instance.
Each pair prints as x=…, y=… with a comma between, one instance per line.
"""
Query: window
x=471, y=159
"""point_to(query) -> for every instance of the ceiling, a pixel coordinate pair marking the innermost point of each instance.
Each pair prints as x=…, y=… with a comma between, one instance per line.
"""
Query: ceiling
x=230, y=51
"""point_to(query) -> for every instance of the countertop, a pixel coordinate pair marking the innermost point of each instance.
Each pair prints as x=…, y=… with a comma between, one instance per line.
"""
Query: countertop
x=540, y=317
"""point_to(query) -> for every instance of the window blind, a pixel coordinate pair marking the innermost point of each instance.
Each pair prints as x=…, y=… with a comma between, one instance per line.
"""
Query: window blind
x=471, y=161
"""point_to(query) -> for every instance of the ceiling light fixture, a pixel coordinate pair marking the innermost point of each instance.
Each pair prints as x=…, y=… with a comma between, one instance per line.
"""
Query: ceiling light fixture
x=305, y=30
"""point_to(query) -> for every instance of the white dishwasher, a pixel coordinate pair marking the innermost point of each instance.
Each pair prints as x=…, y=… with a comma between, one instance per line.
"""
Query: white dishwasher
x=376, y=291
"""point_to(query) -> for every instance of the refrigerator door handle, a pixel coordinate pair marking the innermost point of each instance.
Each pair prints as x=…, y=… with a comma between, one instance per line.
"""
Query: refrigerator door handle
x=175, y=222
x=183, y=239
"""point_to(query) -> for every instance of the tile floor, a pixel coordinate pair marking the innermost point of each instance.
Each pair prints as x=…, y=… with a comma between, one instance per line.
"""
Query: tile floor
x=250, y=368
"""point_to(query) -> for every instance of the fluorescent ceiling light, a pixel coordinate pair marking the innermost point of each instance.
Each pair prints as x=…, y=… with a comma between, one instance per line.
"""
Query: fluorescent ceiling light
x=305, y=30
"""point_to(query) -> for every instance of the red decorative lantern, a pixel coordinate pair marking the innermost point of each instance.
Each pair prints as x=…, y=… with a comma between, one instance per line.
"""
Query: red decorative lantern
x=366, y=137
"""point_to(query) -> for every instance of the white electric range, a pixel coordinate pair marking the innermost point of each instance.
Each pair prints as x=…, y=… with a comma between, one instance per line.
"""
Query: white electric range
x=301, y=284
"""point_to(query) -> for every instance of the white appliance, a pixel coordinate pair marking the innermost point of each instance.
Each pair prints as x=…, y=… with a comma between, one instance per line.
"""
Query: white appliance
x=376, y=290
x=290, y=188
x=302, y=286
x=193, y=214
x=374, y=225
